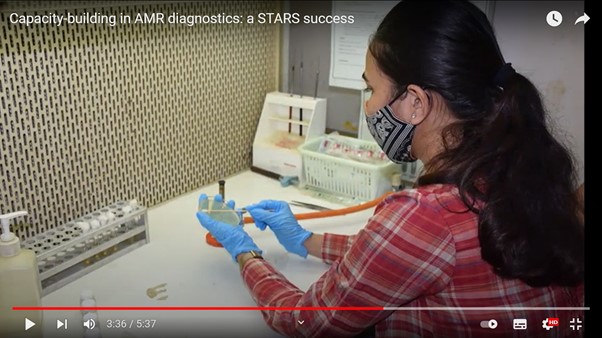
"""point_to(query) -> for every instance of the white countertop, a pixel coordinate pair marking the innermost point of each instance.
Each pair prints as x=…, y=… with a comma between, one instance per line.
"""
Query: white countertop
x=196, y=273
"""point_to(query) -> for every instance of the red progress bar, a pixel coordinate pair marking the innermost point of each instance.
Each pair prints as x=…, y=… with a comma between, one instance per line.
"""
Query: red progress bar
x=194, y=308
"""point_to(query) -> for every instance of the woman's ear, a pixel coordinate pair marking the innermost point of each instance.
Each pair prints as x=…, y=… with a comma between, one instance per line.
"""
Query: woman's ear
x=419, y=104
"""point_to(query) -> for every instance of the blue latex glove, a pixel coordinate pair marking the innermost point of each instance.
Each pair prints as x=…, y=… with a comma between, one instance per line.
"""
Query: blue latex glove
x=233, y=238
x=278, y=216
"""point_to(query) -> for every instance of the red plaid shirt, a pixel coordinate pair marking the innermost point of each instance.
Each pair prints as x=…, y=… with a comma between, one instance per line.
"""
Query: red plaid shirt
x=418, y=250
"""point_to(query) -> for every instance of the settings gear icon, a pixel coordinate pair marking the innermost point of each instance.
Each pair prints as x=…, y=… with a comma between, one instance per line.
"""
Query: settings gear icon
x=544, y=324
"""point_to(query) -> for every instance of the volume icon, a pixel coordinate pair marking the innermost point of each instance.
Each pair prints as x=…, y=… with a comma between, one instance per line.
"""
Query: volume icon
x=90, y=324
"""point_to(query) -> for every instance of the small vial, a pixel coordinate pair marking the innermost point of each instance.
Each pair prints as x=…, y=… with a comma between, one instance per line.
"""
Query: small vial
x=91, y=315
x=121, y=228
x=84, y=226
x=88, y=303
x=114, y=232
x=50, y=262
x=90, y=243
x=110, y=216
x=94, y=224
x=70, y=253
x=103, y=219
x=108, y=234
x=86, y=294
x=60, y=257
x=80, y=248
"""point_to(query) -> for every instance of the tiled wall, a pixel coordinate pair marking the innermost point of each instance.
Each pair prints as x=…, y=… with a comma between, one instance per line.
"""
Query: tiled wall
x=93, y=113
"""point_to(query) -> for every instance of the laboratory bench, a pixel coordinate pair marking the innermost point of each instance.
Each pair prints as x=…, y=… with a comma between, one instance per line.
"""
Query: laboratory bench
x=181, y=270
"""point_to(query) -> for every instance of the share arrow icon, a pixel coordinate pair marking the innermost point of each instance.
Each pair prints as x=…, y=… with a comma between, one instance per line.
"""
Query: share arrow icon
x=584, y=18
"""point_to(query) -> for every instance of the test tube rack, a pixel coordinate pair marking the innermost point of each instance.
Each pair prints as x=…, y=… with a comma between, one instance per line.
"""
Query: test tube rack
x=72, y=250
x=287, y=121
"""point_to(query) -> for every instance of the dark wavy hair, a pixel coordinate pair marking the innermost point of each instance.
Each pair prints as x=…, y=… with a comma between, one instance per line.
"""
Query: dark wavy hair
x=500, y=154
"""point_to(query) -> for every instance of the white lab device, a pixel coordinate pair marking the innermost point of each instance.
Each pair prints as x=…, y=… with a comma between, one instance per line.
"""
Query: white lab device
x=287, y=121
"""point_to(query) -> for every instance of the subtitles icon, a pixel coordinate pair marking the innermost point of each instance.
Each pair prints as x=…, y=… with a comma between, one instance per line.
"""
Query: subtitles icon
x=549, y=323
x=489, y=324
x=519, y=324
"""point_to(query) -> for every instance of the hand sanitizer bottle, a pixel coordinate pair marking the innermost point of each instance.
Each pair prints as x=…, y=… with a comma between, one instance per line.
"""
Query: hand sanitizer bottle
x=19, y=285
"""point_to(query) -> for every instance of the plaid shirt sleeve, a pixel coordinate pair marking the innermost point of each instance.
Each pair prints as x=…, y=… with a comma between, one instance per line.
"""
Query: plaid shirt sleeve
x=335, y=246
x=403, y=252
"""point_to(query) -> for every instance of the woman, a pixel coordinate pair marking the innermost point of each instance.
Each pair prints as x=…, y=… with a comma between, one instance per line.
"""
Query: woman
x=490, y=223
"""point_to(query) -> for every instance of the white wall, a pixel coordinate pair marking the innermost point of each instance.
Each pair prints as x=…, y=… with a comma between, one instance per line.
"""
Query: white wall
x=552, y=57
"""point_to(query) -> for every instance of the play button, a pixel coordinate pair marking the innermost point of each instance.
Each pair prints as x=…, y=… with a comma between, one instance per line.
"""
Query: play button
x=29, y=324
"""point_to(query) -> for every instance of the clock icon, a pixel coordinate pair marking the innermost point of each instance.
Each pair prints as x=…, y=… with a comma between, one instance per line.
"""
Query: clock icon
x=554, y=18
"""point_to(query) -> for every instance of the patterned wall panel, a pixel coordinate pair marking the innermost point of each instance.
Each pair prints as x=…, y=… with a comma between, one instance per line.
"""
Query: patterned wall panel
x=94, y=113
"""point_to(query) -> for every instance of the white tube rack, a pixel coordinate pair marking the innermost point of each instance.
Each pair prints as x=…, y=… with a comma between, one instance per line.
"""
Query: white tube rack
x=68, y=252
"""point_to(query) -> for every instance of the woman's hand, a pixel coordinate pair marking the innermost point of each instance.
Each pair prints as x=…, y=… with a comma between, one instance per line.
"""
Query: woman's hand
x=232, y=237
x=277, y=215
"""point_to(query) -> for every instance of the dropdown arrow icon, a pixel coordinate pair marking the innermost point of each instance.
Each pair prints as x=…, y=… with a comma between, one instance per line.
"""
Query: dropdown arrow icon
x=301, y=322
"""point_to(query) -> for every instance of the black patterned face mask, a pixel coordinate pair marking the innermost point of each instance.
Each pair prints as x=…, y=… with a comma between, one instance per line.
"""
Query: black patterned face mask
x=392, y=135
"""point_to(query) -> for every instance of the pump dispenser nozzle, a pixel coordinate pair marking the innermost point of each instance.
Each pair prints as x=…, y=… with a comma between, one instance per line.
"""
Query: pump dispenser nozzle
x=9, y=243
